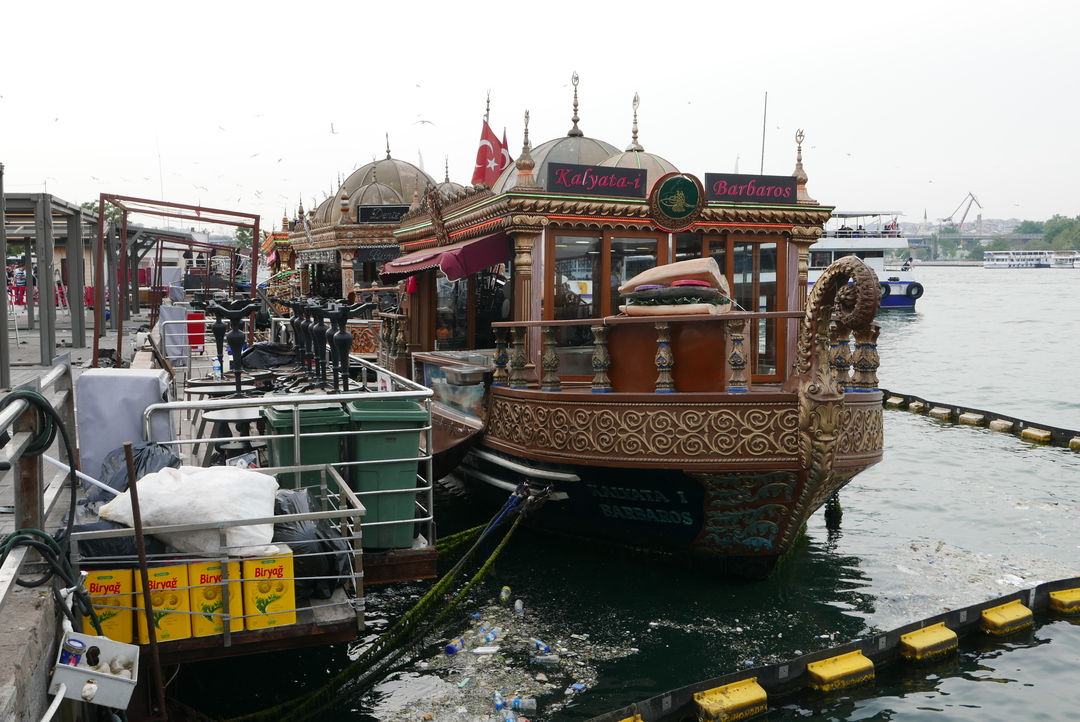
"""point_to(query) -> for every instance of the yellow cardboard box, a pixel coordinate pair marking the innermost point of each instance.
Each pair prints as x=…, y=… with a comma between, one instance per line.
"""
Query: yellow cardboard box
x=110, y=590
x=208, y=599
x=170, y=601
x=270, y=591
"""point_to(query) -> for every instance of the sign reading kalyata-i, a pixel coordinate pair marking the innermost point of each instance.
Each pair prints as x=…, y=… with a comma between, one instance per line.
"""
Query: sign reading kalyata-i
x=733, y=188
x=596, y=180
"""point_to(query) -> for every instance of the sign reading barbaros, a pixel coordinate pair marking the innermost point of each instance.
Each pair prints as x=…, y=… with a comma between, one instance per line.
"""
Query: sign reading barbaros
x=771, y=189
x=596, y=180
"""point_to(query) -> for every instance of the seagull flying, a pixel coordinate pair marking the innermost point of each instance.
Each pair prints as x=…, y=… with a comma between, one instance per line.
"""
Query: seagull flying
x=332, y=129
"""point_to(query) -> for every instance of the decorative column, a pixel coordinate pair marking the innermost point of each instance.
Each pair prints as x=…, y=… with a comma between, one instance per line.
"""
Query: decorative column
x=500, y=377
x=866, y=359
x=803, y=237
x=737, y=357
x=550, y=361
x=601, y=361
x=517, y=378
x=347, y=279
x=305, y=280
x=840, y=354
x=665, y=359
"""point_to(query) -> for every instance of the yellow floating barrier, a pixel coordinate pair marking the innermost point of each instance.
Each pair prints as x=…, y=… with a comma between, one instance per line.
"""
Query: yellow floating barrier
x=1032, y=434
x=635, y=718
x=845, y=670
x=1074, y=443
x=736, y=701
x=1006, y=619
x=928, y=643
x=1001, y=425
x=940, y=412
x=1065, y=601
x=972, y=419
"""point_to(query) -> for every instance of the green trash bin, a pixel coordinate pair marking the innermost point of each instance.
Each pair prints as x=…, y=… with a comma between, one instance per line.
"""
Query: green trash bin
x=314, y=418
x=400, y=421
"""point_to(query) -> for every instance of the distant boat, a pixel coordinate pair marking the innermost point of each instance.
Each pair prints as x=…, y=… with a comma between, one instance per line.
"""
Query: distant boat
x=899, y=289
x=1017, y=259
x=1065, y=259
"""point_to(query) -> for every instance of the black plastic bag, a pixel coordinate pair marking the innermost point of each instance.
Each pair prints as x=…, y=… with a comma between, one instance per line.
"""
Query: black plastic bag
x=265, y=355
x=149, y=457
x=320, y=556
x=117, y=546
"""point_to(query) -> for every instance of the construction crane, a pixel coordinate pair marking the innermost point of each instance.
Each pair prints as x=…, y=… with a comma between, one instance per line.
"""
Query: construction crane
x=969, y=199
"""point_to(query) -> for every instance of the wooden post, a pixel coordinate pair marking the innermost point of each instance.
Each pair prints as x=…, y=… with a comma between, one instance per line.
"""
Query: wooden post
x=601, y=361
x=517, y=360
x=550, y=362
x=840, y=354
x=737, y=357
x=665, y=359
x=500, y=376
x=866, y=358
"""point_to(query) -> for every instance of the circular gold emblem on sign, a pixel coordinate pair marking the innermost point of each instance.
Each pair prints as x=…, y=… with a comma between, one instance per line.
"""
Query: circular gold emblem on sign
x=676, y=201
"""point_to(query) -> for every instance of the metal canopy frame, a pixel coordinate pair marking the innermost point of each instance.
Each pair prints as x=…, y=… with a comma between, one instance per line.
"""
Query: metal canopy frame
x=164, y=209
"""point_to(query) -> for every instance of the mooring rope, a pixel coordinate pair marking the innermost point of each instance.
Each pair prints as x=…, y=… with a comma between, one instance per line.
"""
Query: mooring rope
x=380, y=658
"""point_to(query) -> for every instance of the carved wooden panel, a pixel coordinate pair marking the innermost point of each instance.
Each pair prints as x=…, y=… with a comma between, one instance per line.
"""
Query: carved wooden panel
x=665, y=433
x=863, y=431
x=365, y=338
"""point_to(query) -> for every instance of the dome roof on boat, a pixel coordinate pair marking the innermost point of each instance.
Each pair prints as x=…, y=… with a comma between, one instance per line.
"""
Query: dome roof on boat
x=635, y=156
x=399, y=178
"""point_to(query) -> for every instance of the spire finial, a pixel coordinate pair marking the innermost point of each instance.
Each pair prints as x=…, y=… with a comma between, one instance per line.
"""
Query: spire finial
x=800, y=174
x=634, y=145
x=487, y=112
x=447, y=179
x=525, y=163
x=301, y=205
x=575, y=131
x=388, y=146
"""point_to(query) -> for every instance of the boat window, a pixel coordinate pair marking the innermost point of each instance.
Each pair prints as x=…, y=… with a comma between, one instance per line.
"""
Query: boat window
x=451, y=314
x=494, y=302
x=870, y=254
x=577, y=266
x=765, y=266
x=718, y=252
x=688, y=246
x=820, y=259
x=629, y=257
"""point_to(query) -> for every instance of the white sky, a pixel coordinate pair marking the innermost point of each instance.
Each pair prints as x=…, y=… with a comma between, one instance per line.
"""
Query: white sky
x=906, y=106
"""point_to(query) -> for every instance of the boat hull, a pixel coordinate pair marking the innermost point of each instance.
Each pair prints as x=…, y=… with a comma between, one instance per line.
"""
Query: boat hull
x=722, y=484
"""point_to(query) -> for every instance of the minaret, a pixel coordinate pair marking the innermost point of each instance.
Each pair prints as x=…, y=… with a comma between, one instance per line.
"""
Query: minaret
x=800, y=174
x=575, y=132
x=525, y=163
x=634, y=146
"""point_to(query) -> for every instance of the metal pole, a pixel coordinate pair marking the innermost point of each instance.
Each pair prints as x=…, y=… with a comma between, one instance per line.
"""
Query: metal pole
x=254, y=275
x=111, y=274
x=5, y=358
x=99, y=293
x=76, y=279
x=121, y=291
x=46, y=285
x=144, y=573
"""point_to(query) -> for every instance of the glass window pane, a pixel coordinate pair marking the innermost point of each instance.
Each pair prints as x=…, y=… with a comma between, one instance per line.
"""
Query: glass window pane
x=765, y=262
x=742, y=287
x=494, y=302
x=451, y=320
x=629, y=257
x=689, y=246
x=577, y=267
x=820, y=259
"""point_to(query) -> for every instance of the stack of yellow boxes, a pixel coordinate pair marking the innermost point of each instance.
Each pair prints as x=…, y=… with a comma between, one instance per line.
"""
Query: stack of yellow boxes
x=188, y=599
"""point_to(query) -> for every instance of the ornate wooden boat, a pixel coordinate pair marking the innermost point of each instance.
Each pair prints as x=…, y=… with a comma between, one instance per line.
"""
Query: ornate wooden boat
x=711, y=437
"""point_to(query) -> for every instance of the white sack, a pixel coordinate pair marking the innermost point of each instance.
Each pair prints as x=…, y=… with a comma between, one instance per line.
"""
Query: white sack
x=191, y=495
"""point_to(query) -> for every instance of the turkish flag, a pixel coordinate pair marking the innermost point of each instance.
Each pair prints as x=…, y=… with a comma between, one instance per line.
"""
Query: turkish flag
x=491, y=157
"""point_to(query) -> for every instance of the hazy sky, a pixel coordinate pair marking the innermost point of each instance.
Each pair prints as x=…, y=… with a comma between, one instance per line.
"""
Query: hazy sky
x=906, y=106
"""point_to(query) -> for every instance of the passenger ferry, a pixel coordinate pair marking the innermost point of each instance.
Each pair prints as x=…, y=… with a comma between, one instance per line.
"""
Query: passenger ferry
x=1065, y=259
x=871, y=242
x=1017, y=259
x=704, y=430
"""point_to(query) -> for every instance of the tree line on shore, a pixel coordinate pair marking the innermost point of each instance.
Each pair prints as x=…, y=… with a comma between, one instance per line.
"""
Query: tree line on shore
x=1060, y=233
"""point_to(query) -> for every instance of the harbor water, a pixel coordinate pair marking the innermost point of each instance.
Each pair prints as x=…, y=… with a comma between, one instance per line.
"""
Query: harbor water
x=952, y=516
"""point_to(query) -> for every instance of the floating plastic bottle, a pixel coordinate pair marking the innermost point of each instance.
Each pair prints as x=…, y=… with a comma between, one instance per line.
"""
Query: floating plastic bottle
x=509, y=716
x=546, y=659
x=523, y=704
x=216, y=373
x=497, y=700
x=519, y=607
x=490, y=636
x=504, y=595
x=455, y=646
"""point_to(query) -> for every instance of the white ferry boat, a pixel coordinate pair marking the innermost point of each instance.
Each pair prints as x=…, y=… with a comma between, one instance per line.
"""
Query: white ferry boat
x=1017, y=259
x=1065, y=259
x=869, y=235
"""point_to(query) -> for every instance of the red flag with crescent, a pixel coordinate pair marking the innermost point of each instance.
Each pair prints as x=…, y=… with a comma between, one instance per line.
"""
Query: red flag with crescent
x=491, y=157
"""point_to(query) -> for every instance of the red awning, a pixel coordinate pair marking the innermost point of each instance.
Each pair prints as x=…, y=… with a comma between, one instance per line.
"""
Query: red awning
x=457, y=260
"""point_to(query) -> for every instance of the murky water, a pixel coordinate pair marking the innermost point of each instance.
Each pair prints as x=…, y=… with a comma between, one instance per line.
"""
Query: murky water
x=952, y=516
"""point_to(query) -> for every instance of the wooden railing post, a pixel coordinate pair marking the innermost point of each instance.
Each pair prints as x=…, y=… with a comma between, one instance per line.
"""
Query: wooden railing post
x=517, y=378
x=550, y=361
x=840, y=354
x=737, y=357
x=499, y=378
x=665, y=359
x=866, y=359
x=601, y=361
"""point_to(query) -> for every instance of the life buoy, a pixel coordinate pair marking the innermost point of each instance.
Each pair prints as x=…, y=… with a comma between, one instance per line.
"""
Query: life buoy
x=915, y=291
x=886, y=290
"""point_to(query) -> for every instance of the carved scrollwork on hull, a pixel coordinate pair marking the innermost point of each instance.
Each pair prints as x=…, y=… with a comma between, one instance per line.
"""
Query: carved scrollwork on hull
x=863, y=431
x=667, y=434
x=744, y=530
